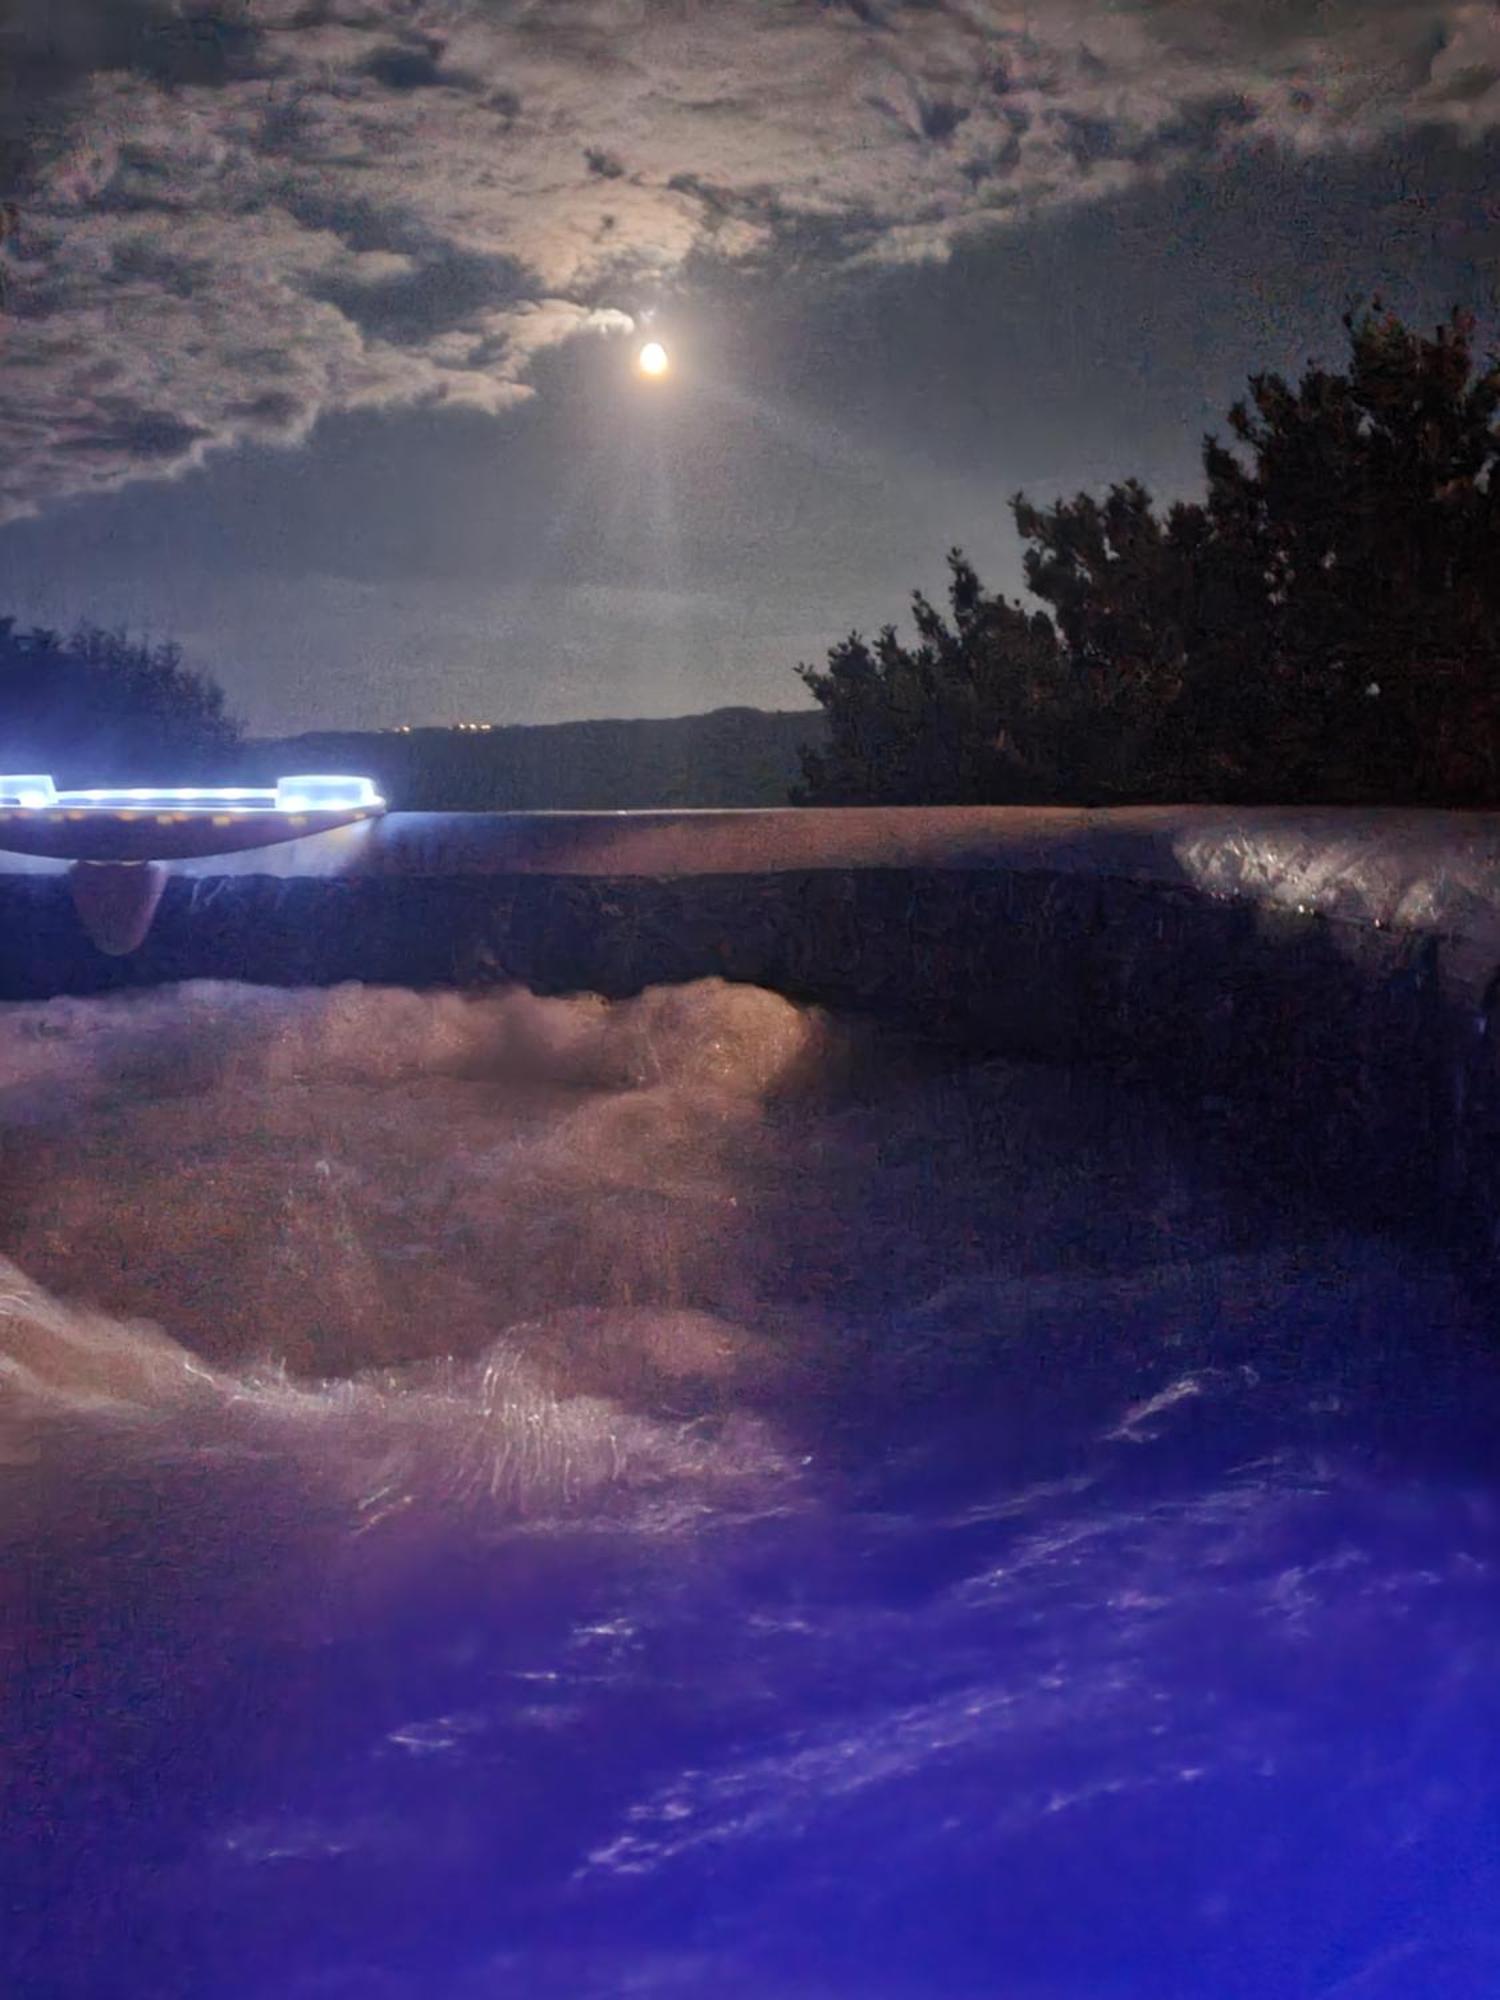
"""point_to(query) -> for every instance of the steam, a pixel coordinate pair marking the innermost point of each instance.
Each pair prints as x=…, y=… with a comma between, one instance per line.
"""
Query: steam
x=510, y=1252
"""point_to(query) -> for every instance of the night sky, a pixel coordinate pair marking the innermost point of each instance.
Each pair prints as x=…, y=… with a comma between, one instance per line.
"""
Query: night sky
x=321, y=320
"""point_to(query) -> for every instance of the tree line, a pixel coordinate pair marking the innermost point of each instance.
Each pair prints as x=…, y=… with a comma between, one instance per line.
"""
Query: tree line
x=1322, y=626
x=98, y=707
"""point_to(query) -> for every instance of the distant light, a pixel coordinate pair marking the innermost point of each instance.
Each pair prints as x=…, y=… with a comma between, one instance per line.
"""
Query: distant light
x=653, y=358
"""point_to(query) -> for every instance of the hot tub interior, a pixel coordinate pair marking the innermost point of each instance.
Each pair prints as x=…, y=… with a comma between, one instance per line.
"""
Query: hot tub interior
x=697, y=1495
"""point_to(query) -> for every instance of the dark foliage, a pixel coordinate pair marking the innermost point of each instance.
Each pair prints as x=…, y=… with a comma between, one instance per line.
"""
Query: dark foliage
x=984, y=706
x=103, y=708
x=1323, y=626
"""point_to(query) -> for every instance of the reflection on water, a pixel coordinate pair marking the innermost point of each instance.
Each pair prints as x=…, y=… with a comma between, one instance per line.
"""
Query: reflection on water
x=505, y=1496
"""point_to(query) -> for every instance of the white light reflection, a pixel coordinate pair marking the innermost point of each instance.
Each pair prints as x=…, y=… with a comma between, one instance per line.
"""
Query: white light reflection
x=27, y=789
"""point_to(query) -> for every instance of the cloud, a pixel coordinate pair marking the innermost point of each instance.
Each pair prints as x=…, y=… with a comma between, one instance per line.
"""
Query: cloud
x=238, y=215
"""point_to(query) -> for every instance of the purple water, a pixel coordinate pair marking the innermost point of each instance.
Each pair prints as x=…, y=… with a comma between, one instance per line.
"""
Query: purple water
x=516, y=1497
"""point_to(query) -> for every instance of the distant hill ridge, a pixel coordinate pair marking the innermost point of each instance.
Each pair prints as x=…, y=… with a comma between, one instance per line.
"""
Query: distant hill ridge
x=728, y=757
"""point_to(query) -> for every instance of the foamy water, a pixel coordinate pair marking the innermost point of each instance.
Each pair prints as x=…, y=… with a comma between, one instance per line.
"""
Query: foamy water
x=685, y=1496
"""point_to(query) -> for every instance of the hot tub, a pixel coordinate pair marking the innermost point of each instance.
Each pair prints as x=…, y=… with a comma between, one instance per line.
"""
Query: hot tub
x=714, y=1490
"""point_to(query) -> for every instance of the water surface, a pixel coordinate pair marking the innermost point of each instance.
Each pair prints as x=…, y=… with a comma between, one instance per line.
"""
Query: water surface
x=685, y=1497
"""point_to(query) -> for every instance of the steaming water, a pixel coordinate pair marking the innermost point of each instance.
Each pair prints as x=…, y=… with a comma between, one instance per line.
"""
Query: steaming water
x=515, y=1497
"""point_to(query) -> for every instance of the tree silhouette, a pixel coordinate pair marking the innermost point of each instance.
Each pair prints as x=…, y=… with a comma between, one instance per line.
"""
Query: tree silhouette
x=1362, y=510
x=102, y=707
x=981, y=708
x=1323, y=625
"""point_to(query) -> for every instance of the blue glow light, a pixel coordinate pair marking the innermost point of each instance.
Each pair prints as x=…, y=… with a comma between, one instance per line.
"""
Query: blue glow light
x=28, y=790
x=321, y=793
x=326, y=794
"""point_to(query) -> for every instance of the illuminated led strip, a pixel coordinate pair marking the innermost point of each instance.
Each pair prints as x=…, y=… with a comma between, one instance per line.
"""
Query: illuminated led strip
x=35, y=792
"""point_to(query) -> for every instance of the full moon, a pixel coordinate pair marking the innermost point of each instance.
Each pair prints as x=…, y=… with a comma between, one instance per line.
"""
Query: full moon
x=653, y=358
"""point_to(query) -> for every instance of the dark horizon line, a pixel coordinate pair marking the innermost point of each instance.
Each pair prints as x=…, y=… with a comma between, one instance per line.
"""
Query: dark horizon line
x=490, y=728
